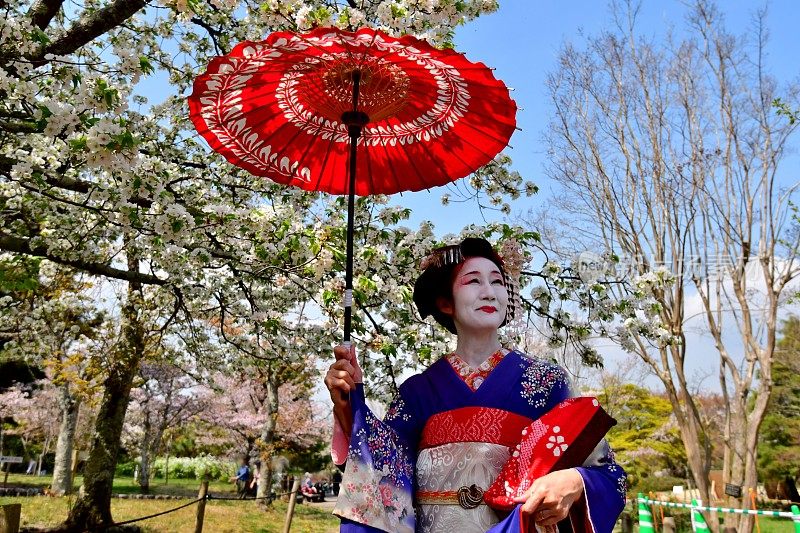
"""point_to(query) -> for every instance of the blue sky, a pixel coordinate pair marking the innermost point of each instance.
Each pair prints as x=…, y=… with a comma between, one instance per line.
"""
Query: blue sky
x=522, y=39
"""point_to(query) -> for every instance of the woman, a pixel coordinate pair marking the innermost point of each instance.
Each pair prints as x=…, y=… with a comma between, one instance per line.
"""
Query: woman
x=483, y=440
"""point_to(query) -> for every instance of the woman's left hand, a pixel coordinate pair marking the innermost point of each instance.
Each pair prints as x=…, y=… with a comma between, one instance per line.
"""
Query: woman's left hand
x=550, y=497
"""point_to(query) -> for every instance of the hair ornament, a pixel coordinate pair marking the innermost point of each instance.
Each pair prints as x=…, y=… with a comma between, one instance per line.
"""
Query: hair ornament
x=441, y=257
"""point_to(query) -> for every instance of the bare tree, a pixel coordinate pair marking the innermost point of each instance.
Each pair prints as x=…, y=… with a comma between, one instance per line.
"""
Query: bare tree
x=669, y=154
x=744, y=221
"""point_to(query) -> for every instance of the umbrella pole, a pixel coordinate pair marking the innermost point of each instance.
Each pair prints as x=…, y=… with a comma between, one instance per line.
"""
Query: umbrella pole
x=355, y=121
x=348, y=274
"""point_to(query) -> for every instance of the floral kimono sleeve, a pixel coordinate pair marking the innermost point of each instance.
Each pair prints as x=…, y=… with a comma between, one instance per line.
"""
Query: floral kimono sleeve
x=605, y=486
x=377, y=487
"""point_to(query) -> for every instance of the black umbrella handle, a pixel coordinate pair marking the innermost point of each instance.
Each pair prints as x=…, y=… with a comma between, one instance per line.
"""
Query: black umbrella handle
x=348, y=273
x=355, y=121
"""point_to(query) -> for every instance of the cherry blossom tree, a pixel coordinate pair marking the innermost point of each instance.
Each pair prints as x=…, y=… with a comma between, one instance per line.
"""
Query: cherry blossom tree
x=237, y=407
x=165, y=397
x=56, y=326
x=253, y=414
x=35, y=410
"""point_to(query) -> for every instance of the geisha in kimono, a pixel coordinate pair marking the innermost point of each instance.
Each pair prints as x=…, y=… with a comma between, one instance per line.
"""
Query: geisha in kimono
x=486, y=439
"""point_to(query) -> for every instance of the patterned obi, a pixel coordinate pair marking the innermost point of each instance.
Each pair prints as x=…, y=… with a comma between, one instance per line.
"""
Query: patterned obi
x=461, y=453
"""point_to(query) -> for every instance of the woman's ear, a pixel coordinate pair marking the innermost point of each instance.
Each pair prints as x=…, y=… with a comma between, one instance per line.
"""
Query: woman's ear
x=445, y=305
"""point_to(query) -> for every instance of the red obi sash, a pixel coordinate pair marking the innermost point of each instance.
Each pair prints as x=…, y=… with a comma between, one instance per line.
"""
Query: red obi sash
x=473, y=424
x=562, y=438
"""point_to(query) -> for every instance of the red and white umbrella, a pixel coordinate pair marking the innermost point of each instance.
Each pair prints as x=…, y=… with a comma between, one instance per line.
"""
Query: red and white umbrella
x=396, y=113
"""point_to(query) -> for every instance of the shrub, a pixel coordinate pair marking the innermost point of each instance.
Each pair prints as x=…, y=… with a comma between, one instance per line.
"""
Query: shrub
x=207, y=467
x=126, y=469
x=656, y=484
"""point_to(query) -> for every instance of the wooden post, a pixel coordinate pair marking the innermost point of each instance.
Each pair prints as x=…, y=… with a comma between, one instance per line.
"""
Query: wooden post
x=626, y=522
x=668, y=525
x=5, y=476
x=290, y=510
x=755, y=507
x=201, y=507
x=9, y=517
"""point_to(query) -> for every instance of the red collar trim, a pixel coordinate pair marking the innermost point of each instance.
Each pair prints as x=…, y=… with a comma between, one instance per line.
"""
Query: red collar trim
x=473, y=424
x=475, y=377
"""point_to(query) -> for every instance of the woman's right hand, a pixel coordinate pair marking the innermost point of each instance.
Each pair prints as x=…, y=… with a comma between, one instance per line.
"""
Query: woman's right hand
x=342, y=376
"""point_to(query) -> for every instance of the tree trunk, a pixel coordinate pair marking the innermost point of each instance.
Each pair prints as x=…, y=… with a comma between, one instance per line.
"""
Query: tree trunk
x=790, y=489
x=144, y=469
x=144, y=457
x=695, y=442
x=741, y=445
x=62, y=470
x=92, y=512
x=45, y=451
x=268, y=439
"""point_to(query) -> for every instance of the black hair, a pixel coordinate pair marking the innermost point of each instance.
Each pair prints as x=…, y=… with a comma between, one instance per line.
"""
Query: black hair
x=436, y=280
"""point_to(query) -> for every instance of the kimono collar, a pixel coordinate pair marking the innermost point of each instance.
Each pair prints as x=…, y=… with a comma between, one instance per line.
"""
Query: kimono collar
x=475, y=377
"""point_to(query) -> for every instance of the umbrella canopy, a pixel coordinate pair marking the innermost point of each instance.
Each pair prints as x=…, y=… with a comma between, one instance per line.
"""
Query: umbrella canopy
x=401, y=114
x=275, y=109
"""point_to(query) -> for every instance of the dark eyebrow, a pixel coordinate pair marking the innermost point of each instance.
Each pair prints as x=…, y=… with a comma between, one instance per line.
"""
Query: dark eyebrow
x=476, y=272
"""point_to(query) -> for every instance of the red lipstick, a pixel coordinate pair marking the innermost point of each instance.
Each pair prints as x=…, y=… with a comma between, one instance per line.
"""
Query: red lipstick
x=488, y=309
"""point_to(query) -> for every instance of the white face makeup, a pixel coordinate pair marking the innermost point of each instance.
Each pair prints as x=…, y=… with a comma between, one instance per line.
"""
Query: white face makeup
x=480, y=298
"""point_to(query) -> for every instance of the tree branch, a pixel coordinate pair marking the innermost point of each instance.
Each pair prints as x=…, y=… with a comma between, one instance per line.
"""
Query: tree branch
x=89, y=27
x=43, y=11
x=213, y=33
x=21, y=246
x=13, y=126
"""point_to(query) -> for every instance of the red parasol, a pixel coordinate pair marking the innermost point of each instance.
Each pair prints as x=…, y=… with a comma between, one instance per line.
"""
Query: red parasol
x=400, y=114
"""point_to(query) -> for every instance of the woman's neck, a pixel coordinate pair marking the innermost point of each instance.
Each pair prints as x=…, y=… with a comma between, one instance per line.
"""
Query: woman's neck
x=475, y=348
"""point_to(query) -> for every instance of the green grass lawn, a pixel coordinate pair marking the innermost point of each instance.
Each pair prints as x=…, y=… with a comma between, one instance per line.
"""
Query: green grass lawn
x=766, y=525
x=220, y=516
x=775, y=525
x=126, y=485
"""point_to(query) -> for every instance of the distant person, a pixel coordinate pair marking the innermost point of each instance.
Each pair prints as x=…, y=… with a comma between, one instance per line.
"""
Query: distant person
x=309, y=489
x=253, y=486
x=31, y=468
x=308, y=483
x=337, y=480
x=242, y=477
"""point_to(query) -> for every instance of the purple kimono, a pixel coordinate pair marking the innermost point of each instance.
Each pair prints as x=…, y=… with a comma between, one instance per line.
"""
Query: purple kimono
x=443, y=443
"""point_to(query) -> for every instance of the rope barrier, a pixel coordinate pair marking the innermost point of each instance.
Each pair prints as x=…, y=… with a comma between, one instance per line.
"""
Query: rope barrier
x=158, y=514
x=207, y=497
x=777, y=514
x=248, y=498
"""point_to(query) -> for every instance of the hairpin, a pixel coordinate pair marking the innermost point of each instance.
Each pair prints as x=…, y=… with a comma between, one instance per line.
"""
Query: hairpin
x=440, y=257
